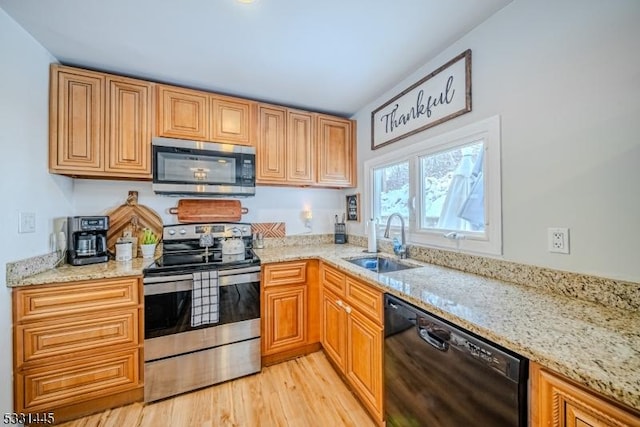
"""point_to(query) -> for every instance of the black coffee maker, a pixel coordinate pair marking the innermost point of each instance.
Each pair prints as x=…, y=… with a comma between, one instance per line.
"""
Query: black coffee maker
x=87, y=239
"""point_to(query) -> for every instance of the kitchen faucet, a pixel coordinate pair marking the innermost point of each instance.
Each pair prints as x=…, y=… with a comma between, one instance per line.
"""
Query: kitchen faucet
x=400, y=250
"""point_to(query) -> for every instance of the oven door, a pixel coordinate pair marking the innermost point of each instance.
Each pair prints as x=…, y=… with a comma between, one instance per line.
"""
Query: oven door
x=167, y=301
x=194, y=167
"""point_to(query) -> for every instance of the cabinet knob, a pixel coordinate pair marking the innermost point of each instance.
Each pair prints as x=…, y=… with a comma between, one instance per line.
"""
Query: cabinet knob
x=347, y=309
x=340, y=303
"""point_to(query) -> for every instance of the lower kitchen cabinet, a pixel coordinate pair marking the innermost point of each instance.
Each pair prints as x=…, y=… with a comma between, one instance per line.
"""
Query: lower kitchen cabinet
x=289, y=310
x=77, y=347
x=556, y=401
x=352, y=334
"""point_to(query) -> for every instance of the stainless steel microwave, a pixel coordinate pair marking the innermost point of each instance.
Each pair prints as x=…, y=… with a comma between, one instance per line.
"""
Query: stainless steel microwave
x=196, y=168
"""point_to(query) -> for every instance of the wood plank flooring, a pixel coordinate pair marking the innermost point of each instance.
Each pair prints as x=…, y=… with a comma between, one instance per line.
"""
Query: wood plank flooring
x=301, y=392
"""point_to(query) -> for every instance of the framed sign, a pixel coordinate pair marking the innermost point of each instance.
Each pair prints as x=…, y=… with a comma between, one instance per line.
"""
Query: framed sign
x=353, y=207
x=440, y=96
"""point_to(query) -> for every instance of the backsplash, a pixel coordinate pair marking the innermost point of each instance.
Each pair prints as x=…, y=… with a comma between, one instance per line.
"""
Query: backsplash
x=608, y=292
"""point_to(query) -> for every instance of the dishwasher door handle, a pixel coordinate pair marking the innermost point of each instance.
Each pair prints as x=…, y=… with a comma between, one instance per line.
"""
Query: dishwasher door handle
x=435, y=342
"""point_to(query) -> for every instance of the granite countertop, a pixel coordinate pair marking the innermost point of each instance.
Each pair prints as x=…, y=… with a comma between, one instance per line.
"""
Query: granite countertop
x=69, y=273
x=590, y=343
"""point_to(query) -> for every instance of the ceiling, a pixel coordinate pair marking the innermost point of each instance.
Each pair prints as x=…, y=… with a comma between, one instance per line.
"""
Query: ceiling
x=333, y=56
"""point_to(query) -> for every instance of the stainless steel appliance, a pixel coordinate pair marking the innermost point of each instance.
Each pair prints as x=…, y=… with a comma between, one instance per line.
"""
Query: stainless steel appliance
x=196, y=279
x=87, y=239
x=438, y=375
x=196, y=168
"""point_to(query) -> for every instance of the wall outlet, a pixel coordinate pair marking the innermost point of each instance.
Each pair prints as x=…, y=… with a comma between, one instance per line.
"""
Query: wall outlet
x=558, y=240
x=27, y=222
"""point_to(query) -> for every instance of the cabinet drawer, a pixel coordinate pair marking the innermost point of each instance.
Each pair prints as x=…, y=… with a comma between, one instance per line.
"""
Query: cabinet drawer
x=333, y=279
x=285, y=274
x=76, y=381
x=73, y=335
x=365, y=298
x=84, y=297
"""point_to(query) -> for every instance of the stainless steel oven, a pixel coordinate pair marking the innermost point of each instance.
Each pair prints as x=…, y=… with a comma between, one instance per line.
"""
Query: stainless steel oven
x=181, y=352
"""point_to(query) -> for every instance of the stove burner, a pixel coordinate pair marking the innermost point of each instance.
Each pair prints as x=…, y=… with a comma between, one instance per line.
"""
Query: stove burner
x=183, y=251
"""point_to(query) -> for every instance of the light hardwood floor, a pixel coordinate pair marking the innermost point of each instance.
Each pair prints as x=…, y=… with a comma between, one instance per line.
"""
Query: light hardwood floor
x=301, y=392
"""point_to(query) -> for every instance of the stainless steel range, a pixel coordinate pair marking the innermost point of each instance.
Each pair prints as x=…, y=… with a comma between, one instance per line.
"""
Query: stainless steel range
x=202, y=309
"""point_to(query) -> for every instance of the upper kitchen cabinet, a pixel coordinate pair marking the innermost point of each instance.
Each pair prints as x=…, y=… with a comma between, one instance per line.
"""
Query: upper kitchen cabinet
x=295, y=146
x=336, y=152
x=128, y=127
x=76, y=116
x=232, y=120
x=271, y=145
x=100, y=124
x=300, y=147
x=285, y=154
x=203, y=116
x=183, y=113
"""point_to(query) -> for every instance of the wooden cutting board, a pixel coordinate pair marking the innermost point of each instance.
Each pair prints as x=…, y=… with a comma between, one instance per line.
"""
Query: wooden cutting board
x=133, y=216
x=200, y=210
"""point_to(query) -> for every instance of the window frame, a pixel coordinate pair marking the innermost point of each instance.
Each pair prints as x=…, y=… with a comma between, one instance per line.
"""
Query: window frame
x=487, y=130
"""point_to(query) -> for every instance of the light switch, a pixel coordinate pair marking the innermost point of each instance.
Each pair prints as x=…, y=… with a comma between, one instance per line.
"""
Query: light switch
x=27, y=222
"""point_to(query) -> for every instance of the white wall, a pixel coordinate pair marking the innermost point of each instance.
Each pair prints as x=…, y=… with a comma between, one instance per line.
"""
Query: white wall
x=270, y=204
x=25, y=184
x=565, y=78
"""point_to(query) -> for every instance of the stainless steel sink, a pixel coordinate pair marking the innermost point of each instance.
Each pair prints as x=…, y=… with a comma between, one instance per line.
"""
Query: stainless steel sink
x=380, y=264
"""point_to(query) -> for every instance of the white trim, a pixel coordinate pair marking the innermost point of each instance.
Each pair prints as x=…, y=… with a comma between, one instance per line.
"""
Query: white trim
x=489, y=131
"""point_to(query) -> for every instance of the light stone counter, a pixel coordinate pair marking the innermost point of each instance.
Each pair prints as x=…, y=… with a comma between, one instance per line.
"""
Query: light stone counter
x=68, y=273
x=591, y=343
x=588, y=342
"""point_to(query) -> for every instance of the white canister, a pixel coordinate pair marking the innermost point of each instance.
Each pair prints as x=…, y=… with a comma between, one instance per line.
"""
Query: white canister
x=124, y=251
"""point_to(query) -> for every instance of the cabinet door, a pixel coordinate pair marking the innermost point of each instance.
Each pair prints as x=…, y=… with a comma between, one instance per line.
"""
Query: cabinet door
x=183, y=113
x=285, y=318
x=300, y=145
x=364, y=359
x=334, y=337
x=61, y=338
x=76, y=116
x=128, y=129
x=558, y=402
x=46, y=302
x=76, y=381
x=271, y=148
x=287, y=273
x=336, y=152
x=232, y=120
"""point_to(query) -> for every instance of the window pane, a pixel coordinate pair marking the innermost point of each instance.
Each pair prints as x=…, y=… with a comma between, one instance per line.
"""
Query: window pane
x=391, y=191
x=453, y=189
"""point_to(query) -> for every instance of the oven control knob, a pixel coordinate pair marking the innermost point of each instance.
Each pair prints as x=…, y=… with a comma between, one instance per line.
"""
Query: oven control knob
x=244, y=230
x=183, y=231
x=172, y=232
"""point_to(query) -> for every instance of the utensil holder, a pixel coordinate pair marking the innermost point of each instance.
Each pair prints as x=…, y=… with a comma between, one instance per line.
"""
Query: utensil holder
x=340, y=233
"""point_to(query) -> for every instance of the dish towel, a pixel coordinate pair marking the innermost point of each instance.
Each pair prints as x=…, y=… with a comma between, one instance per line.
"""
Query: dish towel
x=204, y=298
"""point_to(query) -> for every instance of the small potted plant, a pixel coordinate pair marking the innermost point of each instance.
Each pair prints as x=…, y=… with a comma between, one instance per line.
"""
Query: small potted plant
x=148, y=242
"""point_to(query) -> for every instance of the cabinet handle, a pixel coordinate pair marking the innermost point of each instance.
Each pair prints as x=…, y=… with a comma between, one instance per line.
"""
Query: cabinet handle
x=347, y=309
x=340, y=303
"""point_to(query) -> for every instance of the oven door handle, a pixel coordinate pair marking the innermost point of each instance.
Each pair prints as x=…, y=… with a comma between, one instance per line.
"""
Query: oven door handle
x=238, y=279
x=163, y=279
x=168, y=287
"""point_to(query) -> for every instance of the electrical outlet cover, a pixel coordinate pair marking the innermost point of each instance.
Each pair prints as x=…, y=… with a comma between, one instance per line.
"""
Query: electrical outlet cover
x=558, y=240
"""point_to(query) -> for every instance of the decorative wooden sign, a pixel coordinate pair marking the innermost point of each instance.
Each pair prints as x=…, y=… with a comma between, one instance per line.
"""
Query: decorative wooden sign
x=440, y=96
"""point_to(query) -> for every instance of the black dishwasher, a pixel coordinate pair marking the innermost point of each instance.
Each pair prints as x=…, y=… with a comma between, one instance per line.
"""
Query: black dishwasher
x=438, y=375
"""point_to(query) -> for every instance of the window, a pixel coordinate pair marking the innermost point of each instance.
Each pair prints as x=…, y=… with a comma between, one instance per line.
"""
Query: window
x=447, y=189
x=391, y=185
